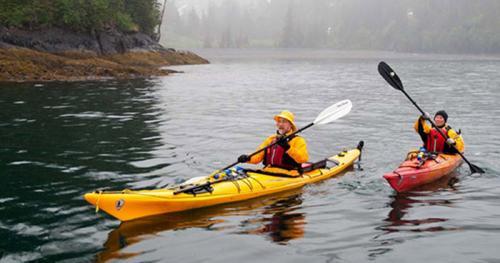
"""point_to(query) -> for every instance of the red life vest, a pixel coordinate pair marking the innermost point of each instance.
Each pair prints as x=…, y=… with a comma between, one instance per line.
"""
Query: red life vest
x=276, y=156
x=435, y=141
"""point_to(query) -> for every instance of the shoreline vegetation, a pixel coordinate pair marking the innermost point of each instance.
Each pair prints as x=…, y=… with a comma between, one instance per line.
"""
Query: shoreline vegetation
x=84, y=40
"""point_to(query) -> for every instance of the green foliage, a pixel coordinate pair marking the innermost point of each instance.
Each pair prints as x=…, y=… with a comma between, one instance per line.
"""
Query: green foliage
x=69, y=12
x=145, y=13
x=81, y=15
x=11, y=13
x=125, y=22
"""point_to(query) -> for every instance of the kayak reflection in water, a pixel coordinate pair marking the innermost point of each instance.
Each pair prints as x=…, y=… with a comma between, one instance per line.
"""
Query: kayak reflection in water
x=401, y=206
x=424, y=196
x=288, y=153
x=284, y=224
x=276, y=217
x=282, y=227
x=433, y=141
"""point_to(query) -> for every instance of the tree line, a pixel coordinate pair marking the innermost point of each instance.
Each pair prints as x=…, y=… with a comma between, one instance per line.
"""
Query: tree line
x=82, y=15
x=444, y=26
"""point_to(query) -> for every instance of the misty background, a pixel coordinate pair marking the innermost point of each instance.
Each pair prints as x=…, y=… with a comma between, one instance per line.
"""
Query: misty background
x=423, y=26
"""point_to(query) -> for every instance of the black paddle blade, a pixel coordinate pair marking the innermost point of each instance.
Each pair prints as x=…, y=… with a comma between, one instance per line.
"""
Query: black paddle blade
x=475, y=169
x=360, y=145
x=390, y=76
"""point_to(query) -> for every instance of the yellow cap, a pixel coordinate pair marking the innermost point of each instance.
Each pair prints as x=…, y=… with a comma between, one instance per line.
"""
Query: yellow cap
x=287, y=116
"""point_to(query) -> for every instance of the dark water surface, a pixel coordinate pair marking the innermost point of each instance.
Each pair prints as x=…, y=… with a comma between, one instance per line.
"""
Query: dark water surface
x=60, y=140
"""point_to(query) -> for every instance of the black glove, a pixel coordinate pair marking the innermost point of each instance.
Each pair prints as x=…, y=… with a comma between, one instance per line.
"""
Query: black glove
x=283, y=142
x=243, y=158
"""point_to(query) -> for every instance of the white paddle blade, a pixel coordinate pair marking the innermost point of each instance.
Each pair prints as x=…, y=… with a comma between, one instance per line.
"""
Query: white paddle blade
x=334, y=112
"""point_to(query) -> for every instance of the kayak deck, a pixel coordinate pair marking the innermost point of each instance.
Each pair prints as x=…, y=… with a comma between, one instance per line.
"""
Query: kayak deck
x=130, y=204
x=411, y=173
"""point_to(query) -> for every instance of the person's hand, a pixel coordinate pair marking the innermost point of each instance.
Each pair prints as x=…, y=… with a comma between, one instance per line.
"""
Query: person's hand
x=426, y=116
x=283, y=142
x=450, y=141
x=243, y=158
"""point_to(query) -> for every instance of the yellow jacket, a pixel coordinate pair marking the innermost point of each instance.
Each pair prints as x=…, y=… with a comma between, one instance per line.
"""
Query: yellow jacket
x=423, y=129
x=298, y=150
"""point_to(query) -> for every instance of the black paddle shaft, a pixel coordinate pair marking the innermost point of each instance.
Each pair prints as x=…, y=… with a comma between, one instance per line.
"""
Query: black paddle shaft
x=393, y=79
x=207, y=184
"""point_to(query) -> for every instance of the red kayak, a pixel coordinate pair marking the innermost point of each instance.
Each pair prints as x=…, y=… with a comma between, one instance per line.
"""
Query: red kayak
x=414, y=172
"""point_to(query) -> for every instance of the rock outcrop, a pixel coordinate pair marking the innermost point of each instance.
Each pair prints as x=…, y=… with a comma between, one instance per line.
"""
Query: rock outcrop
x=59, y=40
x=57, y=54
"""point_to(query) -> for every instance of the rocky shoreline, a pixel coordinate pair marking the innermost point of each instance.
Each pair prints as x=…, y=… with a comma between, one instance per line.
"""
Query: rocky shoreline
x=57, y=54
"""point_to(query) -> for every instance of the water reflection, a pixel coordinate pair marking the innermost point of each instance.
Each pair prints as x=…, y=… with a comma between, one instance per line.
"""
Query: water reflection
x=63, y=140
x=426, y=195
x=416, y=212
x=273, y=216
x=283, y=225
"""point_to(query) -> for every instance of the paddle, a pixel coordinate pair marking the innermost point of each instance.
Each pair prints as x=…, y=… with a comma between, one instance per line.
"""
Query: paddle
x=393, y=79
x=332, y=113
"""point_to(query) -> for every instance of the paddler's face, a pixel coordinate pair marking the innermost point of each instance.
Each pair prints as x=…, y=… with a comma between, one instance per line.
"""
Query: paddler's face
x=439, y=120
x=283, y=126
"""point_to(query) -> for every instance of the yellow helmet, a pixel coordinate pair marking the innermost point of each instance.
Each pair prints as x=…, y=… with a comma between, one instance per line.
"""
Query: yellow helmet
x=287, y=115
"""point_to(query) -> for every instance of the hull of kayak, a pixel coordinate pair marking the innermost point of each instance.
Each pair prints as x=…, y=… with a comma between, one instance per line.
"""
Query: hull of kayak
x=128, y=204
x=410, y=175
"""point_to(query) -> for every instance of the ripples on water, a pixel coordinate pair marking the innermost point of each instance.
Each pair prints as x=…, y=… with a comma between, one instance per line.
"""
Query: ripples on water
x=60, y=140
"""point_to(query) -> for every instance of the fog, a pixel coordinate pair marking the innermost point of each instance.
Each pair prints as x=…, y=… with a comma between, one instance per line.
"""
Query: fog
x=424, y=26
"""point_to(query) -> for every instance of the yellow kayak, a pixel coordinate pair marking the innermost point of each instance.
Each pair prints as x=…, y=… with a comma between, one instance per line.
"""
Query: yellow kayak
x=230, y=186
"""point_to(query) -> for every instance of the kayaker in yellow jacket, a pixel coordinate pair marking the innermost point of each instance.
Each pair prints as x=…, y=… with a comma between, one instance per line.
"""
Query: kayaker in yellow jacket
x=433, y=140
x=288, y=153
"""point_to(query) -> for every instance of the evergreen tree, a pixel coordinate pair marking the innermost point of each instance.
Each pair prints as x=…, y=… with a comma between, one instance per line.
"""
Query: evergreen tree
x=81, y=15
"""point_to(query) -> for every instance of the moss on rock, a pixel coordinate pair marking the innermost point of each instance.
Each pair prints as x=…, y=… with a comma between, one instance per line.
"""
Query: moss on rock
x=23, y=64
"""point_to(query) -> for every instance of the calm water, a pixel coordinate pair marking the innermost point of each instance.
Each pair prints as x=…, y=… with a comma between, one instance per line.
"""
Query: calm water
x=60, y=140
